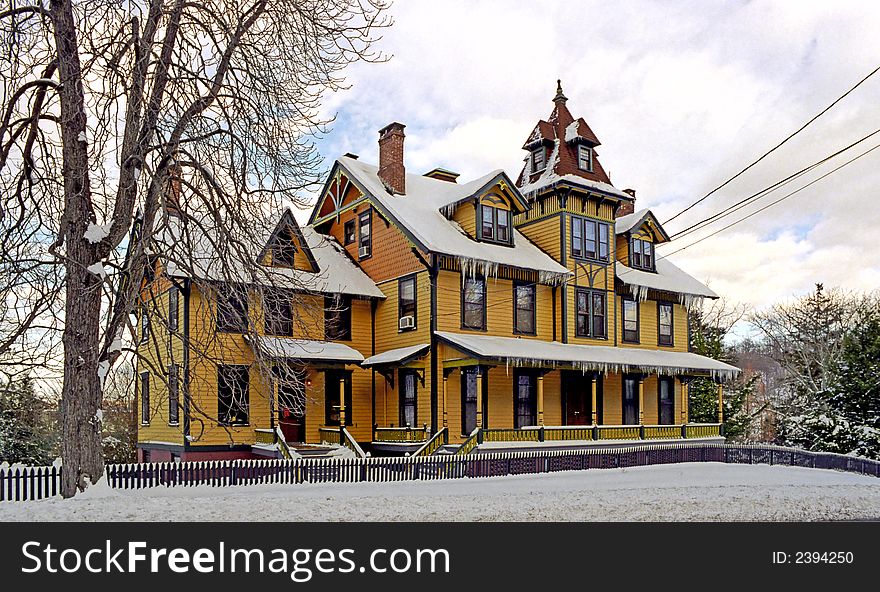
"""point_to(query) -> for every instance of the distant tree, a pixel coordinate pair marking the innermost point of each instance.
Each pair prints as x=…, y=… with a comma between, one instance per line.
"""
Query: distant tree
x=27, y=425
x=708, y=327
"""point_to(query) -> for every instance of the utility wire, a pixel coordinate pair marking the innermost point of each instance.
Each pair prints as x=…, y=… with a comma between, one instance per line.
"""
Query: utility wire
x=766, y=154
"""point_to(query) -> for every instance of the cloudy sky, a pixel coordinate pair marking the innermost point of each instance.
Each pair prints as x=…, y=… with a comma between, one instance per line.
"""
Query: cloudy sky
x=682, y=96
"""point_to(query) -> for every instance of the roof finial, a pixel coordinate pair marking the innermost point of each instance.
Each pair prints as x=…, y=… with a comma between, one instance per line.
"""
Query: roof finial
x=559, y=96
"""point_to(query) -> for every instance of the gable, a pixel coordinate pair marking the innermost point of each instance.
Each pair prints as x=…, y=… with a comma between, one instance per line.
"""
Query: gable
x=286, y=247
x=339, y=194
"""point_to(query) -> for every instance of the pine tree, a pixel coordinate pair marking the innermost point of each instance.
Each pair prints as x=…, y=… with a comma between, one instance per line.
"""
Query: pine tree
x=27, y=433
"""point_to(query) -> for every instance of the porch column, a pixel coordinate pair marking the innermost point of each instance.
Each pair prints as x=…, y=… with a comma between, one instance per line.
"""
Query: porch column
x=479, y=397
x=540, y=399
x=593, y=411
x=684, y=399
x=445, y=416
x=720, y=403
x=641, y=400
x=342, y=403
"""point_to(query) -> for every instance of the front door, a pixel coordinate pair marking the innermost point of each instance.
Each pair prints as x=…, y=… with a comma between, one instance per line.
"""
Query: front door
x=408, y=398
x=292, y=405
x=578, y=394
x=666, y=401
x=525, y=401
x=630, y=401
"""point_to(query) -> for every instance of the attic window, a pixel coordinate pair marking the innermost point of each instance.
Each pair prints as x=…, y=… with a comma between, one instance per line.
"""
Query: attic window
x=585, y=158
x=642, y=254
x=539, y=163
x=494, y=224
x=284, y=251
x=349, y=237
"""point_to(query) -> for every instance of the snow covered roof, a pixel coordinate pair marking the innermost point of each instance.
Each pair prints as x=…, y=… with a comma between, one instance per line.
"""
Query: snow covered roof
x=304, y=349
x=630, y=222
x=196, y=246
x=668, y=278
x=418, y=214
x=549, y=178
x=400, y=355
x=532, y=352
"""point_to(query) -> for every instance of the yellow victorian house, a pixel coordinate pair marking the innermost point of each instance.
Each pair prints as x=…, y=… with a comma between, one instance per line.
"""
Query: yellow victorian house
x=438, y=317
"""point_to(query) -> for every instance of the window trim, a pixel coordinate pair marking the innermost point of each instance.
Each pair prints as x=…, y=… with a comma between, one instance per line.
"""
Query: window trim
x=463, y=299
x=145, y=400
x=494, y=238
x=632, y=263
x=590, y=292
x=329, y=305
x=517, y=284
x=598, y=236
x=268, y=329
x=660, y=304
x=247, y=398
x=173, y=309
x=623, y=338
x=403, y=373
x=415, y=281
x=366, y=215
x=589, y=150
x=145, y=323
x=174, y=387
x=353, y=225
x=532, y=153
x=245, y=310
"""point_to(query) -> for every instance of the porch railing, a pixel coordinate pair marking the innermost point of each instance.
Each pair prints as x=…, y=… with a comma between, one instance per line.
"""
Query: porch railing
x=263, y=436
x=404, y=434
x=441, y=438
x=472, y=441
x=340, y=435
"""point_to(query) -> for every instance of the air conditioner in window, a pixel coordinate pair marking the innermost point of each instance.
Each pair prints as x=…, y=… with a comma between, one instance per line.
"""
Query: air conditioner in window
x=407, y=322
x=364, y=252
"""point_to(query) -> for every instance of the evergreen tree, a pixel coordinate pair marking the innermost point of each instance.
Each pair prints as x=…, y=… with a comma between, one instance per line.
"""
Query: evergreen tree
x=27, y=432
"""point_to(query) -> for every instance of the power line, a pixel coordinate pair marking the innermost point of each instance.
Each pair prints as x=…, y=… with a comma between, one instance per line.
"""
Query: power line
x=767, y=190
x=773, y=203
x=789, y=137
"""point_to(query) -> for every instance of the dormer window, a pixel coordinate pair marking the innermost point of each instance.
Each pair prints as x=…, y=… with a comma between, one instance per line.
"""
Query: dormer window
x=585, y=158
x=495, y=224
x=284, y=251
x=539, y=163
x=589, y=239
x=642, y=254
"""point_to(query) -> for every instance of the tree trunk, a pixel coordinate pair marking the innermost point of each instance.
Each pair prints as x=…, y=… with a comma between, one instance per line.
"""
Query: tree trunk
x=81, y=390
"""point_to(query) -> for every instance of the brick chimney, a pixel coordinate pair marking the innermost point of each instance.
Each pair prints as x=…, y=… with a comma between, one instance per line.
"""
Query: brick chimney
x=391, y=169
x=173, y=189
x=627, y=207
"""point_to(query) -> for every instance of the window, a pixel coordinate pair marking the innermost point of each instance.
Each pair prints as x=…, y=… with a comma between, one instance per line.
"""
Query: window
x=589, y=239
x=473, y=304
x=630, y=401
x=145, y=398
x=145, y=324
x=173, y=394
x=406, y=300
x=585, y=158
x=630, y=320
x=232, y=313
x=348, y=233
x=642, y=254
x=332, y=412
x=591, y=315
x=232, y=395
x=539, y=163
x=525, y=405
x=408, y=398
x=664, y=323
x=337, y=318
x=278, y=313
x=284, y=250
x=173, y=303
x=365, y=235
x=494, y=224
x=524, y=308
x=469, y=400
x=666, y=401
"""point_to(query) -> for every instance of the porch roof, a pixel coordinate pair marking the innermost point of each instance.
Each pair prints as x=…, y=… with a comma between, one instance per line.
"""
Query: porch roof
x=533, y=352
x=401, y=355
x=304, y=349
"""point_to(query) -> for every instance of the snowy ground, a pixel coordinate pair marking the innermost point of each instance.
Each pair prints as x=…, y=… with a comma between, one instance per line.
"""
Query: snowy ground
x=684, y=492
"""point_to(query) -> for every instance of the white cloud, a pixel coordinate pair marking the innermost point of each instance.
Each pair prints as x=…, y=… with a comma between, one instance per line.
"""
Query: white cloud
x=682, y=95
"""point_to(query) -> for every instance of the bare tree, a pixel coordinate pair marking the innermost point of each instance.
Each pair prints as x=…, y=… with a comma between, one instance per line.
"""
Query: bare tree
x=105, y=105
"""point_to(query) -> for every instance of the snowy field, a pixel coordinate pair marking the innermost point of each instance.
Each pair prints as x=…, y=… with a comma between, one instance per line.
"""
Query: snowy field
x=690, y=491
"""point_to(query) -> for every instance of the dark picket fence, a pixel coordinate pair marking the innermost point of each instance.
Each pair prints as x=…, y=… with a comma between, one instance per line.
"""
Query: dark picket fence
x=34, y=483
